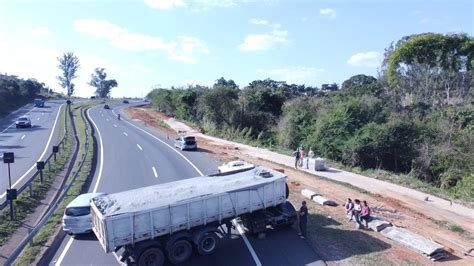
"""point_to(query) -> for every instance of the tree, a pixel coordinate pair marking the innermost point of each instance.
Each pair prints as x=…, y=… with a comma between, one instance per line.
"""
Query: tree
x=103, y=86
x=69, y=64
x=357, y=81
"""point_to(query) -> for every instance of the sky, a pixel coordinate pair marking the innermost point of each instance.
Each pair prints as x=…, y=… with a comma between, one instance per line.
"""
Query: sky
x=163, y=43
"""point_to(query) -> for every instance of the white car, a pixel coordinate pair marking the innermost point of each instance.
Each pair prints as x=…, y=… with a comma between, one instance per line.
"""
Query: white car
x=234, y=165
x=23, y=121
x=77, y=215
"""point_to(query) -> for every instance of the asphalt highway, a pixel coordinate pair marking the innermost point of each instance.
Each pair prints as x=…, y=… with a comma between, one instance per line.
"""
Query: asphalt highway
x=28, y=144
x=132, y=156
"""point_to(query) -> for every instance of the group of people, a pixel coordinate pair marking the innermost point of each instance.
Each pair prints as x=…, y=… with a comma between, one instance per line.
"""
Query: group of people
x=360, y=211
x=300, y=156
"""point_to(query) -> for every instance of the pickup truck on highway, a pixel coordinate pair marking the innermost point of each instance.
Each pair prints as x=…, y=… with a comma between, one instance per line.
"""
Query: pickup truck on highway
x=172, y=220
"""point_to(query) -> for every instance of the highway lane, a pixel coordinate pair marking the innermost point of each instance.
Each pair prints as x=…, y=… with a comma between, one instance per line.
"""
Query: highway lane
x=130, y=154
x=29, y=144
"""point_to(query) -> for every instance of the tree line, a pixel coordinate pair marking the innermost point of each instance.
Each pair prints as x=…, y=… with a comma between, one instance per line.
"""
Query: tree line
x=415, y=118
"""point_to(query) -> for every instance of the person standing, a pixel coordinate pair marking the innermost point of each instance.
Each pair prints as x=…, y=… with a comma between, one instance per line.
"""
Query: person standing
x=301, y=156
x=296, y=153
x=311, y=153
x=303, y=217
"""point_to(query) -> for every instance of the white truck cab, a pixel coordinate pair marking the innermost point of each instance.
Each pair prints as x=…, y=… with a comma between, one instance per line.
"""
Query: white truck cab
x=234, y=165
x=77, y=215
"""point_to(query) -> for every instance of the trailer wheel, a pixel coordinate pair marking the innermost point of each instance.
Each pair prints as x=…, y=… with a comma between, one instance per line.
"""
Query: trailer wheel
x=151, y=256
x=207, y=244
x=180, y=251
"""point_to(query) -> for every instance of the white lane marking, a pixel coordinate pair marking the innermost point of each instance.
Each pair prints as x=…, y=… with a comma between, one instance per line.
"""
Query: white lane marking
x=247, y=243
x=140, y=147
x=154, y=172
x=125, y=133
x=42, y=155
x=38, y=118
x=115, y=125
x=180, y=154
x=22, y=137
x=102, y=115
x=99, y=176
x=61, y=257
x=15, y=122
x=106, y=119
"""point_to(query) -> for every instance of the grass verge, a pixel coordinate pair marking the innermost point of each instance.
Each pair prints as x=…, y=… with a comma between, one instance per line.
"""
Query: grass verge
x=26, y=204
x=30, y=253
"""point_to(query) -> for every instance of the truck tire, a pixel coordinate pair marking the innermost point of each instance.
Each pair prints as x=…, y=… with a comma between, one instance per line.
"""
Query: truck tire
x=207, y=244
x=180, y=251
x=151, y=256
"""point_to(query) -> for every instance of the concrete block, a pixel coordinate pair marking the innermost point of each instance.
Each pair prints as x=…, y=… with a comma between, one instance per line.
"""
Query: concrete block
x=319, y=164
x=412, y=240
x=323, y=201
x=308, y=193
x=378, y=224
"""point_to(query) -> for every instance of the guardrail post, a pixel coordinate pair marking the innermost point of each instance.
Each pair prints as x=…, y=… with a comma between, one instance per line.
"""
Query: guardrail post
x=30, y=186
x=49, y=166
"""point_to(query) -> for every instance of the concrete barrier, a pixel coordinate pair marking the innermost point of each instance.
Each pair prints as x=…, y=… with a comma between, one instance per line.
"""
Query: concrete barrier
x=308, y=193
x=412, y=240
x=378, y=224
x=323, y=201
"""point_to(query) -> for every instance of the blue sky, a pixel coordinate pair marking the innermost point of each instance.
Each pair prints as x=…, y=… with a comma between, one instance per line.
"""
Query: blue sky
x=143, y=43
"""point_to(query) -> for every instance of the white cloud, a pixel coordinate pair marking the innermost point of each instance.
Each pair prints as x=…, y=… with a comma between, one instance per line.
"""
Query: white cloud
x=165, y=4
x=425, y=21
x=328, y=12
x=263, y=42
x=41, y=31
x=142, y=68
x=183, y=48
x=296, y=75
x=368, y=59
x=258, y=21
x=304, y=19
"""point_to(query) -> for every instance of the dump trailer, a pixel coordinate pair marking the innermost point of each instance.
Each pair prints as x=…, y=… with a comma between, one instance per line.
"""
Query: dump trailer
x=171, y=220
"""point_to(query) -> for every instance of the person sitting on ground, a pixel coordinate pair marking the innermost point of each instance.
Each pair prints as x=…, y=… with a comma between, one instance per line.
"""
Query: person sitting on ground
x=365, y=213
x=349, y=206
x=357, y=210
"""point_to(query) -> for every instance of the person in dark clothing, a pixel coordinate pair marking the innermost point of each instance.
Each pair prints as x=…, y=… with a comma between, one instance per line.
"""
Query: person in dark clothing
x=303, y=217
x=296, y=153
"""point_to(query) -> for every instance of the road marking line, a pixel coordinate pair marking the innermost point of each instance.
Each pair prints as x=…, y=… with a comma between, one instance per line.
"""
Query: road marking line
x=22, y=137
x=107, y=119
x=247, y=243
x=140, y=147
x=42, y=155
x=99, y=176
x=180, y=154
x=115, y=125
x=154, y=172
x=15, y=123
x=38, y=118
x=125, y=133
x=63, y=254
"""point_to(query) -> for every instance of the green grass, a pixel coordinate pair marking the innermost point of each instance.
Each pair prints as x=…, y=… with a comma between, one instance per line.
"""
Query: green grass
x=456, y=228
x=31, y=252
x=26, y=204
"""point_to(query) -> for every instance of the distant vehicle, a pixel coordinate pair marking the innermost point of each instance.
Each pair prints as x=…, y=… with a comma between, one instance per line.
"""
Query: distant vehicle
x=234, y=166
x=125, y=101
x=170, y=221
x=92, y=97
x=186, y=143
x=106, y=106
x=77, y=215
x=39, y=102
x=23, y=121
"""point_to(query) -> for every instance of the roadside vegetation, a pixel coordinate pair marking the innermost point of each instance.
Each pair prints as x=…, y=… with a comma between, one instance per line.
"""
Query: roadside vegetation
x=49, y=230
x=26, y=204
x=412, y=125
x=16, y=92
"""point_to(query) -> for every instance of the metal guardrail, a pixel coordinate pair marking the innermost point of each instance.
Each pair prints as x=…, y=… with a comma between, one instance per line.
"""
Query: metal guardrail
x=54, y=205
x=29, y=183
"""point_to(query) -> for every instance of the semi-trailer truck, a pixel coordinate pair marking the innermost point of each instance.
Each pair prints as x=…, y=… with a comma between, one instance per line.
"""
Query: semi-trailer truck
x=169, y=221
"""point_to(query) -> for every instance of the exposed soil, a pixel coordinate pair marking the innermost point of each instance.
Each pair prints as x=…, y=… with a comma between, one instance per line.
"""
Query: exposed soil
x=331, y=235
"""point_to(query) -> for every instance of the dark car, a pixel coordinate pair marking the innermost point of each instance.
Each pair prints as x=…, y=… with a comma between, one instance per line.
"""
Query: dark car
x=106, y=106
x=125, y=101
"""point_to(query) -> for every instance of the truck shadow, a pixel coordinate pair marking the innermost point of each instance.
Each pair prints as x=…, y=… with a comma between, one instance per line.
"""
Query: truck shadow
x=86, y=237
x=335, y=243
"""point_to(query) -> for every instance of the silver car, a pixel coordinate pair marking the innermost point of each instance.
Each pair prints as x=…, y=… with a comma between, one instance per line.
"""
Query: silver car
x=23, y=121
x=186, y=143
x=77, y=215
